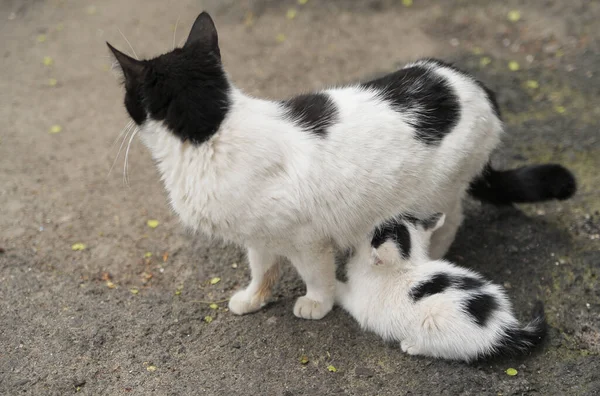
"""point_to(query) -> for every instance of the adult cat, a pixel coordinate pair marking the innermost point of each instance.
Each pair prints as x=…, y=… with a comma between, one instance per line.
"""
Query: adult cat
x=302, y=177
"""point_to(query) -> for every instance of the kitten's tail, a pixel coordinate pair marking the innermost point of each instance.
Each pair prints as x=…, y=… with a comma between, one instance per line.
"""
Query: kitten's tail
x=528, y=184
x=518, y=341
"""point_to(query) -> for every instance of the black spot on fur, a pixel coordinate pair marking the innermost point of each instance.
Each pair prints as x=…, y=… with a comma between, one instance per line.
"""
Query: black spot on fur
x=468, y=283
x=186, y=88
x=313, y=112
x=419, y=90
x=437, y=284
x=533, y=183
x=396, y=231
x=480, y=307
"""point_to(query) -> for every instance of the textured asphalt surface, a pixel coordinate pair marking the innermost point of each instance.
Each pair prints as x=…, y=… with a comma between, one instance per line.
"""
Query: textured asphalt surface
x=129, y=314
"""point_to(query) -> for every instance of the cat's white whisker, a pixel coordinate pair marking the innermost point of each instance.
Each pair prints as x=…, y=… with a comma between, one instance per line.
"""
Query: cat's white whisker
x=126, y=128
x=126, y=164
x=175, y=32
x=119, y=152
x=130, y=46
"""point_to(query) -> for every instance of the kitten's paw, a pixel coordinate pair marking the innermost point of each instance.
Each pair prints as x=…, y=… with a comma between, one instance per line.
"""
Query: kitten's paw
x=409, y=347
x=307, y=308
x=242, y=303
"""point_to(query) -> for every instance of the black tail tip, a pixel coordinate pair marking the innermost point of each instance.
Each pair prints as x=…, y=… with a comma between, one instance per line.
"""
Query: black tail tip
x=561, y=183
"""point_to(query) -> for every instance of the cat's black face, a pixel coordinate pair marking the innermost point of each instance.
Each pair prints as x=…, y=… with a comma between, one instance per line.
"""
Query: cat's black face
x=186, y=88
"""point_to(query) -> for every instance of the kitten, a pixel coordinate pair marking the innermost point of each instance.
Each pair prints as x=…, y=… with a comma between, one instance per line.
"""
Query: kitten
x=433, y=308
x=302, y=177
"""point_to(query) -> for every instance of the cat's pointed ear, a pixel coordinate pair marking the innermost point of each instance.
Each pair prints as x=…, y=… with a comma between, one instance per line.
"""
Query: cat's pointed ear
x=204, y=31
x=132, y=68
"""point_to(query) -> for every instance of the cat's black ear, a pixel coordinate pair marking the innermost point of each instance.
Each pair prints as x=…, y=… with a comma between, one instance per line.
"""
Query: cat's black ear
x=204, y=31
x=132, y=68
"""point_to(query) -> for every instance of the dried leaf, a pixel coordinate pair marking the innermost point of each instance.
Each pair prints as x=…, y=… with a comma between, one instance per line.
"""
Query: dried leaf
x=560, y=109
x=165, y=257
x=532, y=84
x=291, y=13
x=41, y=38
x=280, y=38
x=148, y=255
x=407, y=3
x=483, y=62
x=48, y=61
x=513, y=66
x=52, y=82
x=511, y=371
x=110, y=285
x=78, y=246
x=213, y=306
x=134, y=291
x=304, y=359
x=152, y=223
x=514, y=15
x=331, y=369
x=151, y=368
x=215, y=280
x=55, y=129
x=208, y=318
x=105, y=276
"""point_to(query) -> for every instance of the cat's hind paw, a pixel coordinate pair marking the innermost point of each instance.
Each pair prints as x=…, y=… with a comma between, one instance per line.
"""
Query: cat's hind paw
x=409, y=347
x=307, y=308
x=242, y=303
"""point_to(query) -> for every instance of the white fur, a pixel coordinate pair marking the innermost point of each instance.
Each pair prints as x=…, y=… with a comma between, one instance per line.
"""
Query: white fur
x=264, y=183
x=377, y=295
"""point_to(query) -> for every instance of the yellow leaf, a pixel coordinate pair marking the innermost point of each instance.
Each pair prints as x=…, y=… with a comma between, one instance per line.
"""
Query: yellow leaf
x=406, y=3
x=55, y=129
x=280, y=38
x=514, y=15
x=78, y=246
x=151, y=368
x=152, y=223
x=331, y=368
x=302, y=2
x=110, y=285
x=513, y=65
x=41, y=38
x=291, y=13
x=485, y=61
x=477, y=51
x=532, y=84
x=48, y=61
x=213, y=306
x=560, y=109
x=134, y=290
x=215, y=280
x=148, y=255
x=208, y=319
x=511, y=371
x=177, y=292
x=303, y=359
x=52, y=82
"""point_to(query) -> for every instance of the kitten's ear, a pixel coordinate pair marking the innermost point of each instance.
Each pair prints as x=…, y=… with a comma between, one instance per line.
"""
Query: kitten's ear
x=434, y=222
x=204, y=31
x=132, y=68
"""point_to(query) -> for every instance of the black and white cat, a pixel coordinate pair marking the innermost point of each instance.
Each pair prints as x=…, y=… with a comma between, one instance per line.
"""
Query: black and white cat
x=432, y=307
x=301, y=177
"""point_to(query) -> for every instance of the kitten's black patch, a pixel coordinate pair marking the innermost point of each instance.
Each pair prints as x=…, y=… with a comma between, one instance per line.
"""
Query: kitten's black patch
x=395, y=231
x=313, y=112
x=468, y=283
x=418, y=89
x=491, y=95
x=437, y=284
x=186, y=88
x=480, y=307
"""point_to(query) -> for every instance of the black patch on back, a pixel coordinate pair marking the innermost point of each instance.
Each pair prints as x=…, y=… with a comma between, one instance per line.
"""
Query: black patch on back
x=480, y=307
x=313, y=112
x=468, y=283
x=437, y=284
x=396, y=231
x=419, y=90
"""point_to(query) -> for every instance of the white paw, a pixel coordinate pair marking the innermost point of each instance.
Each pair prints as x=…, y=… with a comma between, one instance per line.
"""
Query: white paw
x=242, y=303
x=307, y=308
x=409, y=347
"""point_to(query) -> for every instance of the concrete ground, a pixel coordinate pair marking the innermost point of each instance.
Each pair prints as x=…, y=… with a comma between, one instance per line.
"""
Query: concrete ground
x=131, y=312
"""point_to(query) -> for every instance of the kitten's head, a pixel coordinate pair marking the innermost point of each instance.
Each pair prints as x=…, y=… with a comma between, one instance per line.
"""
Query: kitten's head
x=186, y=88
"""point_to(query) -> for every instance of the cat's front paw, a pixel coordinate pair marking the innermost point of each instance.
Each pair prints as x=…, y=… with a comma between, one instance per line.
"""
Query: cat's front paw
x=307, y=308
x=409, y=347
x=242, y=303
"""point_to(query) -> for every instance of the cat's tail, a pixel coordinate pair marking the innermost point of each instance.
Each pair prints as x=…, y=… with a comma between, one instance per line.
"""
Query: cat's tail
x=528, y=184
x=518, y=341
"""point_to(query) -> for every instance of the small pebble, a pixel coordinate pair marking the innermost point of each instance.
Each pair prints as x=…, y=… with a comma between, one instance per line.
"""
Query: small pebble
x=454, y=42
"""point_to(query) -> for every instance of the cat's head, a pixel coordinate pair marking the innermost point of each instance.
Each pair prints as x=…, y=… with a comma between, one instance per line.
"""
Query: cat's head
x=186, y=89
